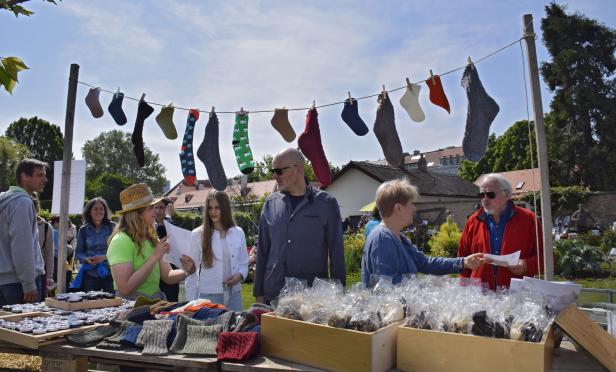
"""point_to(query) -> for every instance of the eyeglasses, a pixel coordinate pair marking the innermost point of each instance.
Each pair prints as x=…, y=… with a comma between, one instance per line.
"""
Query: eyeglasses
x=279, y=171
x=489, y=194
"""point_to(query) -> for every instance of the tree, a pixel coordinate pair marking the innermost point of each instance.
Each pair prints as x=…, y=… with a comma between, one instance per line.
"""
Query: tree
x=112, y=152
x=11, y=153
x=108, y=186
x=581, y=75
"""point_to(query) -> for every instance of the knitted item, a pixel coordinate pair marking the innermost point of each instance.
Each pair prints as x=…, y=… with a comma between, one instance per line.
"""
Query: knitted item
x=237, y=346
x=113, y=342
x=115, y=109
x=209, y=154
x=259, y=309
x=207, y=313
x=187, y=158
x=350, y=115
x=482, y=110
x=92, y=336
x=247, y=320
x=280, y=122
x=165, y=122
x=139, y=314
x=410, y=102
x=201, y=340
x=143, y=112
x=155, y=336
x=182, y=321
x=241, y=146
x=310, y=144
x=226, y=320
x=131, y=334
x=437, y=94
x=385, y=130
x=93, y=103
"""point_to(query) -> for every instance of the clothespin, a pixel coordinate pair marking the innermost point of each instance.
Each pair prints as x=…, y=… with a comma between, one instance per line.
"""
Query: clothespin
x=432, y=77
x=408, y=82
x=350, y=98
x=313, y=105
x=118, y=92
x=468, y=61
x=384, y=92
x=213, y=111
x=142, y=97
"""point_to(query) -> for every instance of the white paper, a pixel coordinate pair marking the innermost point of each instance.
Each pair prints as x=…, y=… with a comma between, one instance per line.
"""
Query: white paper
x=557, y=294
x=506, y=260
x=77, y=187
x=179, y=243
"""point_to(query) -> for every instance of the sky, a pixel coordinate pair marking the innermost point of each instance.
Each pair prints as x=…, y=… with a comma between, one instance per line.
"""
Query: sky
x=262, y=55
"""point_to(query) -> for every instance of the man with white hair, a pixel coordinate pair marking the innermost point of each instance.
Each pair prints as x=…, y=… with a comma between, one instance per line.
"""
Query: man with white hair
x=501, y=228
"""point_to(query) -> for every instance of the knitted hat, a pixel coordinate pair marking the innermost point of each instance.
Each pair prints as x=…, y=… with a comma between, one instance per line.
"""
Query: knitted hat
x=155, y=336
x=181, y=323
x=201, y=340
x=237, y=346
x=135, y=197
x=92, y=336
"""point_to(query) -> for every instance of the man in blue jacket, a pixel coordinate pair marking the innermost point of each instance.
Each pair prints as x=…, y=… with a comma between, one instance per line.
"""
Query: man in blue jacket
x=300, y=231
x=21, y=262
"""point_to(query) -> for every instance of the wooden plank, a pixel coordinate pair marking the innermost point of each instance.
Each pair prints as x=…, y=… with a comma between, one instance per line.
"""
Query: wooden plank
x=579, y=327
x=53, y=362
x=90, y=304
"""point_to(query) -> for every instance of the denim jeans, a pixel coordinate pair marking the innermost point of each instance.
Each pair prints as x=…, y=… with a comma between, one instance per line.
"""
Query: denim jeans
x=235, y=300
x=12, y=293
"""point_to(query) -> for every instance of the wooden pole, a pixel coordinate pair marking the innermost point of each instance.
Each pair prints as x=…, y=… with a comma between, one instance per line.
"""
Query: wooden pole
x=66, y=174
x=542, y=152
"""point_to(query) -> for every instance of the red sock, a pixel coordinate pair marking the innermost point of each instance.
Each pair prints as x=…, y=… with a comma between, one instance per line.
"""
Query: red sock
x=437, y=94
x=310, y=144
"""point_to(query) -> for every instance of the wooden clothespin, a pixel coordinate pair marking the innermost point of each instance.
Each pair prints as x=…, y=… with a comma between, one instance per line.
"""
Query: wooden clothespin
x=118, y=92
x=142, y=97
x=350, y=98
x=432, y=77
x=313, y=105
x=384, y=91
x=469, y=61
x=408, y=82
x=213, y=111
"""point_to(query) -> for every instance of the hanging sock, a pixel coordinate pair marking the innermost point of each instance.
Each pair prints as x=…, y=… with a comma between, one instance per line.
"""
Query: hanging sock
x=385, y=130
x=280, y=122
x=241, y=146
x=115, y=109
x=410, y=102
x=143, y=111
x=310, y=144
x=482, y=110
x=350, y=115
x=437, y=94
x=187, y=158
x=93, y=103
x=165, y=122
x=209, y=154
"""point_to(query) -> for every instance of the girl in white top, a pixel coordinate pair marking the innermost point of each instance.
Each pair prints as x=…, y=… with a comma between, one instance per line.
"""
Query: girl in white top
x=219, y=250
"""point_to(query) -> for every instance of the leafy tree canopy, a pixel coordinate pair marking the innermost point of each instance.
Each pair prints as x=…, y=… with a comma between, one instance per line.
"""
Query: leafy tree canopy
x=11, y=153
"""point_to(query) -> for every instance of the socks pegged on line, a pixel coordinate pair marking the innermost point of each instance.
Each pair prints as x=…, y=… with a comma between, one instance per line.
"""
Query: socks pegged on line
x=209, y=154
x=241, y=146
x=310, y=144
x=410, y=102
x=280, y=122
x=165, y=122
x=143, y=111
x=187, y=157
x=350, y=115
x=437, y=94
x=93, y=103
x=115, y=109
x=385, y=130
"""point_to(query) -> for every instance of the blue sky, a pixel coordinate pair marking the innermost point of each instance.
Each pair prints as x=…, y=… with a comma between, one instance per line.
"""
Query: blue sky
x=265, y=54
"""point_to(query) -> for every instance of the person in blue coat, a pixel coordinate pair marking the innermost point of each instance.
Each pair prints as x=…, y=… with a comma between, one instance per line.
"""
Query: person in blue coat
x=388, y=252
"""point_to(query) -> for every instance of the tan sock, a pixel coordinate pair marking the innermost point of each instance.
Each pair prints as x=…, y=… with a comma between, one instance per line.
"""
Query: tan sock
x=280, y=122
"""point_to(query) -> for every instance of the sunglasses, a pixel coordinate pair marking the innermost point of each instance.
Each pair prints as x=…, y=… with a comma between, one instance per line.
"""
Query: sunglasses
x=489, y=194
x=279, y=171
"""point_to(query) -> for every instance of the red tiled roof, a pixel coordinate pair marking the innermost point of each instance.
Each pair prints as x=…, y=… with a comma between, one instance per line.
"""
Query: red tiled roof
x=522, y=181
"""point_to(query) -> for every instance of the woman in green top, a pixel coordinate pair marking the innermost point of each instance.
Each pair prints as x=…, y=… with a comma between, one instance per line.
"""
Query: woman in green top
x=135, y=253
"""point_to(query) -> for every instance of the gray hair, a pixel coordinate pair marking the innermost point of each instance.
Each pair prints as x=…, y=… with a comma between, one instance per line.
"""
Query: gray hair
x=502, y=181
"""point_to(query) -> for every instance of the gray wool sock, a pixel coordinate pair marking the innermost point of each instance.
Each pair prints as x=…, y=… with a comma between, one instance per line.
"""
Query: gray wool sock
x=385, y=130
x=155, y=340
x=93, y=102
x=182, y=321
x=247, y=320
x=482, y=110
x=113, y=341
x=209, y=154
x=226, y=320
x=92, y=336
x=201, y=340
x=410, y=102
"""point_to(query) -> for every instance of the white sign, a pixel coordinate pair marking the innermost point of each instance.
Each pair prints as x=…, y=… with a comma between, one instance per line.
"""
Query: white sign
x=179, y=243
x=77, y=187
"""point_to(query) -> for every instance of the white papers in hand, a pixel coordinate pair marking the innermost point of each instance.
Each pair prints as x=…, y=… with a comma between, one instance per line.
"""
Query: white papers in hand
x=506, y=260
x=179, y=243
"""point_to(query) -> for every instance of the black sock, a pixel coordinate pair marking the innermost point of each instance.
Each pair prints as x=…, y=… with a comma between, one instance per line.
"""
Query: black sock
x=385, y=131
x=209, y=154
x=143, y=112
x=350, y=116
x=115, y=109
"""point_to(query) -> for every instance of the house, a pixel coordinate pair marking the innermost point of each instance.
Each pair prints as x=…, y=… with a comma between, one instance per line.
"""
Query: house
x=356, y=183
x=522, y=182
x=445, y=160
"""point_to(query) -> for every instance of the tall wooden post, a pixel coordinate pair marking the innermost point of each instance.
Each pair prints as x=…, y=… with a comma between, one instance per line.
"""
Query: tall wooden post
x=542, y=150
x=66, y=173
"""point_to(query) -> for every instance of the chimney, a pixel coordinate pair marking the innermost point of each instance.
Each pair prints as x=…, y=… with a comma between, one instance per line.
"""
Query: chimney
x=422, y=164
x=416, y=152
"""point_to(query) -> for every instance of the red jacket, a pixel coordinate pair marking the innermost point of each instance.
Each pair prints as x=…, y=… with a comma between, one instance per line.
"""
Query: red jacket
x=520, y=235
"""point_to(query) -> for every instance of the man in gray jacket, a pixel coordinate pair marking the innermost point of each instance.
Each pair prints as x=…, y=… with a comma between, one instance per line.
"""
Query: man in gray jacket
x=300, y=231
x=21, y=262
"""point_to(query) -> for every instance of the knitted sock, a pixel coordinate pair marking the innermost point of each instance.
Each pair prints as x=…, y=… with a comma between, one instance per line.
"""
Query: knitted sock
x=310, y=144
x=437, y=94
x=259, y=309
x=237, y=346
x=92, y=336
x=247, y=320
x=201, y=340
x=115, y=109
x=165, y=122
x=155, y=338
x=113, y=341
x=410, y=102
x=241, y=146
x=131, y=334
x=143, y=112
x=280, y=122
x=350, y=115
x=209, y=154
x=207, y=313
x=187, y=158
x=226, y=320
x=93, y=103
x=385, y=130
x=482, y=110
x=182, y=321
x=139, y=314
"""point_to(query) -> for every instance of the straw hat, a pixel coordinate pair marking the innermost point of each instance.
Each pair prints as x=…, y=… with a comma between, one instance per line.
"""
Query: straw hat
x=135, y=197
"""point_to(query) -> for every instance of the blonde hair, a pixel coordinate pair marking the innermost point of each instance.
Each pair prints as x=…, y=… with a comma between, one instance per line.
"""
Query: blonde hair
x=394, y=192
x=226, y=219
x=132, y=224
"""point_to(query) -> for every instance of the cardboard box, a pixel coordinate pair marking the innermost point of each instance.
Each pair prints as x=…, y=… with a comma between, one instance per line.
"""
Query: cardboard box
x=82, y=305
x=424, y=350
x=328, y=347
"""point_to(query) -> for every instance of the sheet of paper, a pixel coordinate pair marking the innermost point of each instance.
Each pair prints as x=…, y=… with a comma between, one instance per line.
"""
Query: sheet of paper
x=557, y=294
x=77, y=187
x=179, y=243
x=506, y=260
